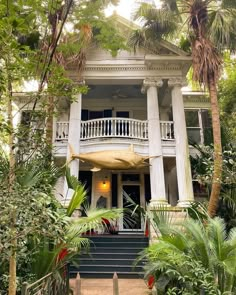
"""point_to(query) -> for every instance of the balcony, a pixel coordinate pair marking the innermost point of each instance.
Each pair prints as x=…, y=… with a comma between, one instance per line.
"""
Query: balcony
x=114, y=128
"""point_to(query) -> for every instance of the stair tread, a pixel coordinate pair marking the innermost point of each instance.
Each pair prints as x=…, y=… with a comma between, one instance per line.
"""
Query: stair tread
x=102, y=253
x=108, y=272
x=114, y=265
x=108, y=259
x=117, y=248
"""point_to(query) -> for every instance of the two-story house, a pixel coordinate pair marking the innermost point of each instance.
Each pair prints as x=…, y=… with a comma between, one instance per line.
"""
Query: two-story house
x=135, y=100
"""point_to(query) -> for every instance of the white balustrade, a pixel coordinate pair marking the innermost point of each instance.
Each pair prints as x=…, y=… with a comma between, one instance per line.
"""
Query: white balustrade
x=167, y=130
x=62, y=131
x=114, y=127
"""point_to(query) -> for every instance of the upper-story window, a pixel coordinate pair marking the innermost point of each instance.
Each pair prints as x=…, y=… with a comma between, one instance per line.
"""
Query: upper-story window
x=198, y=124
x=90, y=115
x=32, y=122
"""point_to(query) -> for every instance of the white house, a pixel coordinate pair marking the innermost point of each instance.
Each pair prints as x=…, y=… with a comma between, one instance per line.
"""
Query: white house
x=134, y=99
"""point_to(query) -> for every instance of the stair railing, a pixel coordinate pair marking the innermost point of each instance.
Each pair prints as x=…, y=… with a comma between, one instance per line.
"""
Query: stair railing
x=49, y=284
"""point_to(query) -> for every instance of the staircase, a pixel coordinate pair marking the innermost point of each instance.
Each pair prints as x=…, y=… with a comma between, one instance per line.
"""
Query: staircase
x=109, y=254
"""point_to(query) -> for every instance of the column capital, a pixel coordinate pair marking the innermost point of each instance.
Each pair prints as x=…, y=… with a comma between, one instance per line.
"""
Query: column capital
x=177, y=81
x=149, y=82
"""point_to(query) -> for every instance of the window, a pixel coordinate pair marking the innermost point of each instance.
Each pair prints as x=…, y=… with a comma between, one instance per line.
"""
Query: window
x=198, y=124
x=32, y=123
x=130, y=177
x=193, y=126
x=90, y=115
x=207, y=126
x=31, y=131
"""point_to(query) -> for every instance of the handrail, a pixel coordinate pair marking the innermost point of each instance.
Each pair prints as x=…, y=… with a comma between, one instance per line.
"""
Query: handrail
x=114, y=127
x=49, y=284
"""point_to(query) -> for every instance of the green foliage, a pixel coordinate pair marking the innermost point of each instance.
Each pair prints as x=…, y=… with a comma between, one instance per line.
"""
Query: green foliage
x=202, y=164
x=79, y=195
x=184, y=43
x=29, y=212
x=193, y=258
x=91, y=13
x=90, y=218
x=157, y=24
x=202, y=167
x=227, y=99
x=55, y=252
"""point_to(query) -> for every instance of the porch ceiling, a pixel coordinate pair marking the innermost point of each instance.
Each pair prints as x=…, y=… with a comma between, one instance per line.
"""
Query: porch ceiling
x=114, y=91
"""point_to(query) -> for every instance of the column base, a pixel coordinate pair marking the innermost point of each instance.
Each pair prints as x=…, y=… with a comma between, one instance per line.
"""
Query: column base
x=185, y=203
x=159, y=203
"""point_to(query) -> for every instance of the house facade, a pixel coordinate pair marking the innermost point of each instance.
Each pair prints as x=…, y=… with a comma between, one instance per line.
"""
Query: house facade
x=135, y=102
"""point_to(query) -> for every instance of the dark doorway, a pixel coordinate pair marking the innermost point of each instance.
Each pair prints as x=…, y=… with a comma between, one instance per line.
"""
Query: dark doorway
x=85, y=177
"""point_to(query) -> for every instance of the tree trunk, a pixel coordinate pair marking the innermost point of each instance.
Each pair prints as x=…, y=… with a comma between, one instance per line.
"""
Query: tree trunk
x=217, y=173
x=11, y=179
x=49, y=120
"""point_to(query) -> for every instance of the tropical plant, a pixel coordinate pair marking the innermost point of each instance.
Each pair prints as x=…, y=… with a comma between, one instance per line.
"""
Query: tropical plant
x=227, y=99
x=28, y=211
x=59, y=251
x=196, y=258
x=210, y=28
x=202, y=168
x=92, y=218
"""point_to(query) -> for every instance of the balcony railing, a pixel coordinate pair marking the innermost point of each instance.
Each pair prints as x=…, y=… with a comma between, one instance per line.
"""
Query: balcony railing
x=114, y=127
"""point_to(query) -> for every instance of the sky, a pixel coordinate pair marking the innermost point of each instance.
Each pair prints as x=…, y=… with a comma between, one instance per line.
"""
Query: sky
x=126, y=7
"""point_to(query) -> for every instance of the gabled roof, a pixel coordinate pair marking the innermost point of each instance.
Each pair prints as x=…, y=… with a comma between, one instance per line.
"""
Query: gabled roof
x=125, y=27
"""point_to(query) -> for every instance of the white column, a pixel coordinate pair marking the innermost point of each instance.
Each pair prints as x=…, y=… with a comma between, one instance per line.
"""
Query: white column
x=74, y=133
x=184, y=176
x=157, y=178
x=74, y=141
x=54, y=129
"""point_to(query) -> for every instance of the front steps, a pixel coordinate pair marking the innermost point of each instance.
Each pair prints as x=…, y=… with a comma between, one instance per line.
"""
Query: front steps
x=109, y=254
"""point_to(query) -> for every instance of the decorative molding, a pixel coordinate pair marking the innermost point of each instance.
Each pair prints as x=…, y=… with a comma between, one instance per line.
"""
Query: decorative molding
x=177, y=81
x=196, y=98
x=127, y=68
x=151, y=82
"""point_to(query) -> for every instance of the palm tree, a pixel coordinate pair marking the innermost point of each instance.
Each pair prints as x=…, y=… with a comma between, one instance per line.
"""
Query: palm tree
x=210, y=28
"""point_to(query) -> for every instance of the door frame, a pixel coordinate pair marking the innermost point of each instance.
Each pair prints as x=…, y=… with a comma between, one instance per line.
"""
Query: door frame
x=120, y=184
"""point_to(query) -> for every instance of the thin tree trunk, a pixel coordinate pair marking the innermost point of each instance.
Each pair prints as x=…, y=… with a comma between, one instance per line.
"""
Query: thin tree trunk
x=11, y=179
x=217, y=173
x=49, y=120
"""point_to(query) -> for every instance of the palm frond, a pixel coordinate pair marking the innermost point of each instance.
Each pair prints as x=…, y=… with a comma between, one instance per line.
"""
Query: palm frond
x=35, y=171
x=222, y=26
x=78, y=198
x=161, y=219
x=72, y=181
x=93, y=220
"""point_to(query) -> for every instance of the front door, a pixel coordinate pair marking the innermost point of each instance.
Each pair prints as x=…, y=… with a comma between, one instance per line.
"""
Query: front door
x=131, y=219
x=131, y=185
